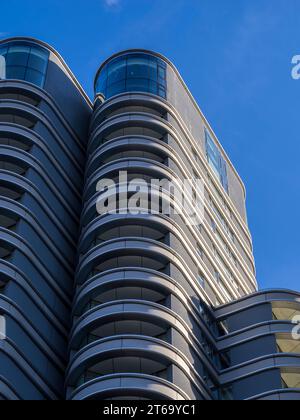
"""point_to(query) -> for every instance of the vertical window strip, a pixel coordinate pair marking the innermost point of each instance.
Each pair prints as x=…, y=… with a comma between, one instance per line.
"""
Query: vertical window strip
x=216, y=161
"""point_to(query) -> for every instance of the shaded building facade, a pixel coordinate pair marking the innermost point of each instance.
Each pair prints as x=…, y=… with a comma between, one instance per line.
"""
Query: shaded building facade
x=124, y=305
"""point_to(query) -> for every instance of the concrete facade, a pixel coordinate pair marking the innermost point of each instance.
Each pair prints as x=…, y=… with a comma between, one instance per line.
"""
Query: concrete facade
x=126, y=306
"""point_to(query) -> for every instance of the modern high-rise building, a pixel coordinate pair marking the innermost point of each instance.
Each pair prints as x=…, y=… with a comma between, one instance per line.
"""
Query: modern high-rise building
x=126, y=305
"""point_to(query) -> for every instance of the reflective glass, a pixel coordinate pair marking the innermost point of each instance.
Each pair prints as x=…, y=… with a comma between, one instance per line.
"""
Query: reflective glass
x=137, y=85
x=162, y=92
x=34, y=77
x=216, y=161
x=133, y=73
x=153, y=87
x=116, y=88
x=38, y=60
x=101, y=83
x=24, y=61
x=153, y=69
x=138, y=67
x=116, y=71
x=15, y=72
x=161, y=74
x=17, y=56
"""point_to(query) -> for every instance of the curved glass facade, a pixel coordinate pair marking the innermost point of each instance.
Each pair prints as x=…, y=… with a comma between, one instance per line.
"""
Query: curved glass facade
x=24, y=61
x=135, y=72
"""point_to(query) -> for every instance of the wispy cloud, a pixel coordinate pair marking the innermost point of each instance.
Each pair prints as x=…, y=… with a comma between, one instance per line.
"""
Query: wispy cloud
x=112, y=3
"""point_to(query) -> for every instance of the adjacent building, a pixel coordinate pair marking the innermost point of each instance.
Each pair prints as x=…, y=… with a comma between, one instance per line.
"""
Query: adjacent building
x=126, y=305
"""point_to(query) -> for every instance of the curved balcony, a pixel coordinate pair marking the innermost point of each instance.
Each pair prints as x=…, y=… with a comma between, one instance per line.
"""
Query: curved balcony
x=7, y=391
x=129, y=386
x=42, y=148
x=278, y=395
x=21, y=138
x=157, y=128
x=25, y=115
x=130, y=354
x=10, y=350
x=159, y=107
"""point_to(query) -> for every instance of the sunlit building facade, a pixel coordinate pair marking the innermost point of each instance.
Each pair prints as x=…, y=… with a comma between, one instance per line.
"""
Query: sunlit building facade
x=126, y=305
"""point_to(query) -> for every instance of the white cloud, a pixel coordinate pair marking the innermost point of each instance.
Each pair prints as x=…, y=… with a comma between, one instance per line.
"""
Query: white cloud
x=112, y=3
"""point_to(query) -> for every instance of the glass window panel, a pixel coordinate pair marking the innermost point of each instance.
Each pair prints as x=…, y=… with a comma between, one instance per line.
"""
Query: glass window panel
x=138, y=67
x=116, y=71
x=137, y=85
x=25, y=62
x=101, y=83
x=38, y=60
x=287, y=345
x=224, y=174
x=162, y=74
x=291, y=379
x=153, y=69
x=14, y=72
x=116, y=89
x=2, y=328
x=153, y=87
x=35, y=77
x=213, y=152
x=3, y=63
x=216, y=161
x=18, y=55
x=161, y=63
x=285, y=311
x=214, y=165
x=134, y=72
x=161, y=82
x=162, y=92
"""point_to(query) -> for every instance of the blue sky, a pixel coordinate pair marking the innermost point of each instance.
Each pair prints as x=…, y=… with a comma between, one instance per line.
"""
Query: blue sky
x=235, y=55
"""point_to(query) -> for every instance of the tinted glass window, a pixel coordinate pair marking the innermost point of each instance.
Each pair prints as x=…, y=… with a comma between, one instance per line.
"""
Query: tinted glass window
x=138, y=67
x=17, y=56
x=116, y=71
x=216, y=160
x=38, y=60
x=133, y=73
x=24, y=61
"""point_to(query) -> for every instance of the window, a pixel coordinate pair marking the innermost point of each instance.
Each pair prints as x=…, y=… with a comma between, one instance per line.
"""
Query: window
x=217, y=276
x=225, y=246
x=221, y=219
x=205, y=314
x=2, y=328
x=286, y=344
x=290, y=378
x=285, y=311
x=221, y=262
x=196, y=156
x=133, y=73
x=221, y=199
x=201, y=280
x=216, y=160
x=219, y=281
x=200, y=252
x=24, y=61
x=2, y=67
